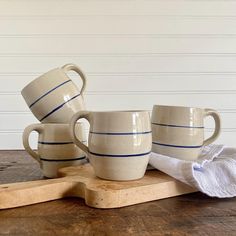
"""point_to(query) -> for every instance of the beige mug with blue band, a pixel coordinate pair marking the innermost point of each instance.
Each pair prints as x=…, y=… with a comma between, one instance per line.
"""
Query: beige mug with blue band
x=119, y=143
x=179, y=131
x=55, y=146
x=53, y=97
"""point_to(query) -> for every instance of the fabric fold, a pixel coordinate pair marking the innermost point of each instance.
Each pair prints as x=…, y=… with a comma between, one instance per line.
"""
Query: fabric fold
x=214, y=173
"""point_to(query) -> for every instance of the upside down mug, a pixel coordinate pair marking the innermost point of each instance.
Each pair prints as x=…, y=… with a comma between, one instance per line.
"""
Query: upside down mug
x=179, y=131
x=55, y=146
x=119, y=143
x=53, y=97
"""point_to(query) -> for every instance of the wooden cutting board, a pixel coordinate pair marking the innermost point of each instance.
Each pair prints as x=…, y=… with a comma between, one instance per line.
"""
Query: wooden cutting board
x=80, y=181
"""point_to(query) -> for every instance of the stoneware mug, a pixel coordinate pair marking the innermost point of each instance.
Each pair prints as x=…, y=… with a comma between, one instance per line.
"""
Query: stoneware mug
x=55, y=146
x=179, y=131
x=53, y=97
x=119, y=143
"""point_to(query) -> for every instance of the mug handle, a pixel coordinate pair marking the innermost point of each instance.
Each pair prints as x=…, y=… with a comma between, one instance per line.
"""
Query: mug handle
x=75, y=117
x=75, y=68
x=216, y=117
x=34, y=127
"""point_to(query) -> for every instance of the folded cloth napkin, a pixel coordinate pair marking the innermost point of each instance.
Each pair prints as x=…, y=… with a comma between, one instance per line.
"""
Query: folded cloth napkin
x=214, y=173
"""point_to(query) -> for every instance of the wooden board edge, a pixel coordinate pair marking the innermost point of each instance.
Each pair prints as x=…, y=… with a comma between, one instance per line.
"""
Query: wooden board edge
x=136, y=195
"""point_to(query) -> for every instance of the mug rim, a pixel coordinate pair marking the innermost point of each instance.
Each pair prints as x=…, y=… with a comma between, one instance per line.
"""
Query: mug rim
x=120, y=111
x=59, y=124
x=178, y=107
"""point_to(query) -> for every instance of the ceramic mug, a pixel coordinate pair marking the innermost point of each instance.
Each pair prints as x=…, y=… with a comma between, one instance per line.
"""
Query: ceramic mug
x=179, y=131
x=53, y=97
x=55, y=146
x=119, y=143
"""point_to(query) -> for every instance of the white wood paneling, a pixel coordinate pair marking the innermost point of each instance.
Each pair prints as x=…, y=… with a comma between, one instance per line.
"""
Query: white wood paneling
x=118, y=25
x=67, y=8
x=135, y=100
x=118, y=45
x=122, y=64
x=135, y=53
x=125, y=82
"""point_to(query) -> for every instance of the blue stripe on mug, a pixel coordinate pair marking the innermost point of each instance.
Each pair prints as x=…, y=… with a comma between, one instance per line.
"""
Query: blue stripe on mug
x=48, y=92
x=59, y=107
x=62, y=160
x=119, y=155
x=176, y=146
x=57, y=143
x=131, y=133
x=179, y=126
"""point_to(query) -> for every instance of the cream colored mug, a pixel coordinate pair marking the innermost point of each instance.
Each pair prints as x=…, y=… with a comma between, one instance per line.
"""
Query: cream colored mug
x=53, y=97
x=179, y=131
x=119, y=143
x=55, y=146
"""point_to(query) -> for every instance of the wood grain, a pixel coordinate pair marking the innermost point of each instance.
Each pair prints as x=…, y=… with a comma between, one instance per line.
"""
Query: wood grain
x=80, y=181
x=192, y=214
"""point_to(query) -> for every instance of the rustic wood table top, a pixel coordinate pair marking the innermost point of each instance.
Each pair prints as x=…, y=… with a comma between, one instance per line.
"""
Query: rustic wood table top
x=192, y=214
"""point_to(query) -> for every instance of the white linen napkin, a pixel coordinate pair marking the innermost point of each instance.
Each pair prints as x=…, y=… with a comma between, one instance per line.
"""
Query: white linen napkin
x=214, y=173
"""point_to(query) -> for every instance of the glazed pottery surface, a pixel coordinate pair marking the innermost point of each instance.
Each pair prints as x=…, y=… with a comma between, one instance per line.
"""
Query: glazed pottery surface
x=55, y=146
x=119, y=143
x=179, y=131
x=53, y=97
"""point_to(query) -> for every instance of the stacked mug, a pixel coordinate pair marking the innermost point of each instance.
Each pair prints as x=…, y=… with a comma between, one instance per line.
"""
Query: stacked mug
x=120, y=142
x=53, y=98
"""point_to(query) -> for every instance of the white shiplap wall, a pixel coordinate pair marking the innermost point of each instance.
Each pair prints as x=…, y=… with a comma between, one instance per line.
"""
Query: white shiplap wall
x=135, y=53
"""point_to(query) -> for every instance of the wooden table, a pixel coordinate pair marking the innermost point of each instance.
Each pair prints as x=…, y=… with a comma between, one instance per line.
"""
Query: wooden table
x=192, y=214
